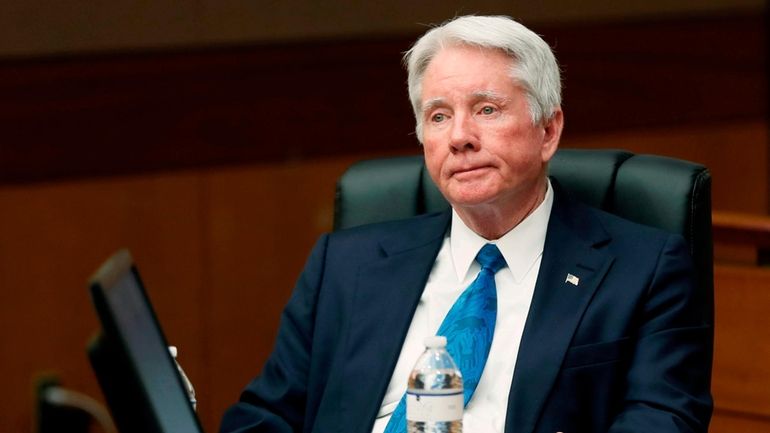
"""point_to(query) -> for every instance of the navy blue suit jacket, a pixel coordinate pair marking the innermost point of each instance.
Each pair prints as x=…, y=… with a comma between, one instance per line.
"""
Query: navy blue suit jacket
x=626, y=350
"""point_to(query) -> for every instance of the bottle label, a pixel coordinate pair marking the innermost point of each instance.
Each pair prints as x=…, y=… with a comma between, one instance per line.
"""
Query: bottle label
x=433, y=407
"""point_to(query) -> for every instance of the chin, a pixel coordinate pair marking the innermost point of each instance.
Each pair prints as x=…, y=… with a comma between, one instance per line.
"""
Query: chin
x=470, y=198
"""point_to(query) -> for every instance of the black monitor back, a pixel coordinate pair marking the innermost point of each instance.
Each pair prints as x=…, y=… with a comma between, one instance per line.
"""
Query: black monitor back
x=130, y=356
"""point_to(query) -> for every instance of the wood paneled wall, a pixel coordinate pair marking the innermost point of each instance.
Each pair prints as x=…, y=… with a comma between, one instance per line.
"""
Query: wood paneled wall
x=130, y=113
x=741, y=378
x=219, y=251
x=736, y=153
x=217, y=169
x=26, y=28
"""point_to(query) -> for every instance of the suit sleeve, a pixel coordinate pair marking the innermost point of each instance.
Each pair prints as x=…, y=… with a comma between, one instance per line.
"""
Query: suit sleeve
x=275, y=401
x=668, y=383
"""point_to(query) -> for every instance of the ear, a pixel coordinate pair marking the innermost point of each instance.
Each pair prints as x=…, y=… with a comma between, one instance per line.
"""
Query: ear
x=552, y=134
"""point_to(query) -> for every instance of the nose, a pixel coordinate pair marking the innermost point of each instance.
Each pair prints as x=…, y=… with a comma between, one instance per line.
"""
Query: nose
x=464, y=135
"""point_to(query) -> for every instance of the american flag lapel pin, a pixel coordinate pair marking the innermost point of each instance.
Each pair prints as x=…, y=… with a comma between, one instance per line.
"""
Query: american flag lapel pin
x=572, y=279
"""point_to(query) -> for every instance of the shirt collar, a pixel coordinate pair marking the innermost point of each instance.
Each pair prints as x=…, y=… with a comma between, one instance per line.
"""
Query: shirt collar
x=521, y=246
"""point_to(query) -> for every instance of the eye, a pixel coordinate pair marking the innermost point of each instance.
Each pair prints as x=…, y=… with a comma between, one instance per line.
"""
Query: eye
x=438, y=117
x=488, y=110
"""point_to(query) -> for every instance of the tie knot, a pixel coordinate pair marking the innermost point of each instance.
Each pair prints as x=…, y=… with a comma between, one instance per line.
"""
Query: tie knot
x=489, y=257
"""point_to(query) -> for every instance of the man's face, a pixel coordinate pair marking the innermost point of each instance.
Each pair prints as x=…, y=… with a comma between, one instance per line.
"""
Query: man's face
x=480, y=145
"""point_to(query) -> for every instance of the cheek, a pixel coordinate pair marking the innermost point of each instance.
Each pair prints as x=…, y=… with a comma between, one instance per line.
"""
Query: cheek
x=521, y=145
x=432, y=152
x=521, y=161
x=434, y=162
x=430, y=157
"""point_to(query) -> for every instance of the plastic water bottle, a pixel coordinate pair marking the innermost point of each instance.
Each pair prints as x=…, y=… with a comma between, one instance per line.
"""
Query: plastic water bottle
x=434, y=396
x=187, y=384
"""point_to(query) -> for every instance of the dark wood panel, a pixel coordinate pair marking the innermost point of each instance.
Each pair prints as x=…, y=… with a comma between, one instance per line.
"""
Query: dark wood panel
x=134, y=112
x=736, y=154
x=724, y=421
x=126, y=113
x=740, y=379
x=53, y=236
x=662, y=73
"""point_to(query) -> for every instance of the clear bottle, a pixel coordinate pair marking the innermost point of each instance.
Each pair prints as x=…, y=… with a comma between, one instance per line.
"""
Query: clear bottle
x=187, y=384
x=434, y=396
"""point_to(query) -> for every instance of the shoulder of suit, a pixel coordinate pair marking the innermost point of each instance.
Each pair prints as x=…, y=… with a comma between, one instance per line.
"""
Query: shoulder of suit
x=622, y=229
x=435, y=221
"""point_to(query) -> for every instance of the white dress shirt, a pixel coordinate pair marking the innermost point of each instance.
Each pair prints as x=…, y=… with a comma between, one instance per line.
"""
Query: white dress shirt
x=454, y=270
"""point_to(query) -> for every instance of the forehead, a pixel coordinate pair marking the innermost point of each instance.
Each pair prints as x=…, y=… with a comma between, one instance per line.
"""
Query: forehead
x=467, y=69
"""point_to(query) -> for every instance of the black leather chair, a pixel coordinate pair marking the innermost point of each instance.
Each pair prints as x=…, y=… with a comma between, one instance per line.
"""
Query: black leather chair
x=667, y=193
x=62, y=410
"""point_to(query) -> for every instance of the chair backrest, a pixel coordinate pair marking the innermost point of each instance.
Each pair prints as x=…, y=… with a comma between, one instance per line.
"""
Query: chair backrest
x=667, y=193
x=62, y=410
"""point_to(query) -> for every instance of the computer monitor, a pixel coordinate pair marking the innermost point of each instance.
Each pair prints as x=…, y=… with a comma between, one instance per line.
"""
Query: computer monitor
x=130, y=356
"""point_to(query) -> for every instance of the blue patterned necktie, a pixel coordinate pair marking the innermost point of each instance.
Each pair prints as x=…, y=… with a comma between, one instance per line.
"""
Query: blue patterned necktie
x=468, y=326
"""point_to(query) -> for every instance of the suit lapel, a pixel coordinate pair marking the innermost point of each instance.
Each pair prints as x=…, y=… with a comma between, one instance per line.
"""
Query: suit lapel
x=572, y=267
x=386, y=295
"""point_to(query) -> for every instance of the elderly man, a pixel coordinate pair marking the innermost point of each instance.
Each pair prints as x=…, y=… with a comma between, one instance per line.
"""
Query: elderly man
x=587, y=325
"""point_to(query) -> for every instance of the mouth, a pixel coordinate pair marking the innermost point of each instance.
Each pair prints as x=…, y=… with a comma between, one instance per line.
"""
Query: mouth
x=471, y=171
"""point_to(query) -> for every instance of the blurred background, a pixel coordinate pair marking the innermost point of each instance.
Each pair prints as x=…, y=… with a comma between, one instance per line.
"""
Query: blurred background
x=206, y=136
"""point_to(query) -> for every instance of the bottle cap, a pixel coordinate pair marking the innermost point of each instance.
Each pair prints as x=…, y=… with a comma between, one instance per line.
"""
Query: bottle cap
x=435, y=341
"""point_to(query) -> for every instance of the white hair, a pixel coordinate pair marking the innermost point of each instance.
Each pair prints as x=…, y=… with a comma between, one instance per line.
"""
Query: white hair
x=533, y=65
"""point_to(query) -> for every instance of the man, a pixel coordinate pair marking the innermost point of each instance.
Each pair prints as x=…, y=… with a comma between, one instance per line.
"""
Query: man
x=596, y=326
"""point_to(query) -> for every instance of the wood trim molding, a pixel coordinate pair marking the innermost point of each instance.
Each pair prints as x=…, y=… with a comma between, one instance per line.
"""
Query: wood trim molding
x=740, y=228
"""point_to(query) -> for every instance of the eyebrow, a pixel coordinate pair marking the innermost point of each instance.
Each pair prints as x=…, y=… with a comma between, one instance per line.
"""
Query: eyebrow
x=488, y=95
x=481, y=95
x=432, y=103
